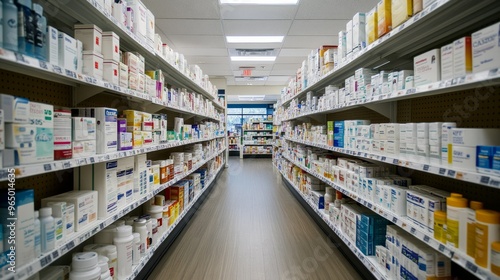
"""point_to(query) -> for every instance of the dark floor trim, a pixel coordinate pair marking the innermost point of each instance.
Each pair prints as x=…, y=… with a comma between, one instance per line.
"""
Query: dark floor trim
x=160, y=252
x=348, y=254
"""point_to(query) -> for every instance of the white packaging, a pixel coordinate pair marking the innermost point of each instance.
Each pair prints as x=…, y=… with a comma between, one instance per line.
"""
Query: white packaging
x=85, y=206
x=141, y=82
x=423, y=153
x=93, y=64
x=391, y=147
x=111, y=71
x=475, y=136
x=52, y=46
x=433, y=204
x=21, y=138
x=427, y=67
x=446, y=142
x=392, y=131
x=91, y=37
x=69, y=228
x=83, y=148
x=41, y=117
x=139, y=23
x=447, y=62
x=59, y=214
x=342, y=47
x=83, y=128
x=123, y=75
x=411, y=151
x=411, y=133
x=15, y=109
x=359, y=31
x=111, y=46
x=133, y=81
x=485, y=48
x=125, y=181
x=2, y=135
x=79, y=57
x=132, y=61
x=403, y=75
x=141, y=179
x=106, y=129
x=67, y=52
x=435, y=133
x=150, y=28
x=417, y=208
x=100, y=177
x=62, y=134
x=398, y=200
x=120, y=11
x=464, y=157
x=423, y=133
x=435, y=154
x=462, y=57
x=124, y=242
x=348, y=35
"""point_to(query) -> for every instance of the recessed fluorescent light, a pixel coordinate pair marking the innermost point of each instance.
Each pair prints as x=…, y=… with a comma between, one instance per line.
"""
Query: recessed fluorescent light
x=254, y=39
x=261, y=2
x=253, y=58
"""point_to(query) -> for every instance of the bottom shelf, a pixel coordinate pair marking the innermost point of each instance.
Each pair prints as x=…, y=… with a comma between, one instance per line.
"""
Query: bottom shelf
x=137, y=268
x=369, y=262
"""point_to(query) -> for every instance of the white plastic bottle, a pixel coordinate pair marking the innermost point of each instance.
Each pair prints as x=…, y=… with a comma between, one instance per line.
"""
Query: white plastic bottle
x=136, y=253
x=38, y=244
x=140, y=227
x=106, y=235
x=124, y=242
x=103, y=265
x=47, y=230
x=156, y=213
x=84, y=267
x=108, y=251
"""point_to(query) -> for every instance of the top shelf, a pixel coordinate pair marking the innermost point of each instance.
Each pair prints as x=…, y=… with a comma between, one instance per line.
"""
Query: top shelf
x=438, y=24
x=88, y=11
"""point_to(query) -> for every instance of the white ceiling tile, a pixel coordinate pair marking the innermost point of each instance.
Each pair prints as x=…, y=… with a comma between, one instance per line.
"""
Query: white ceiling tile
x=189, y=26
x=294, y=52
x=287, y=72
x=256, y=27
x=253, y=83
x=336, y=9
x=190, y=9
x=254, y=46
x=286, y=66
x=317, y=27
x=310, y=42
x=276, y=83
x=192, y=41
x=257, y=12
x=195, y=59
x=204, y=52
x=297, y=60
x=213, y=69
x=278, y=78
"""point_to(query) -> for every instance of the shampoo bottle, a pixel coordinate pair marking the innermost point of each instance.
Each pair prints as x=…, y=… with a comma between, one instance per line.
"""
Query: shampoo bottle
x=10, y=25
x=25, y=28
x=40, y=31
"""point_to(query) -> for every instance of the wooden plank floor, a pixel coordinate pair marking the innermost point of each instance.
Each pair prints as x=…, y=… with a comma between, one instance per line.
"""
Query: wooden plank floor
x=251, y=227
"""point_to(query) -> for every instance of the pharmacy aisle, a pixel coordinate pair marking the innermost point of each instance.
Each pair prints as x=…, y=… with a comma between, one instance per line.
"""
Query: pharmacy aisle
x=252, y=227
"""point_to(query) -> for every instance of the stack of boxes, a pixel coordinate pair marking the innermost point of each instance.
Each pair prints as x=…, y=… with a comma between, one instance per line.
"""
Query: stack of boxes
x=370, y=232
x=91, y=37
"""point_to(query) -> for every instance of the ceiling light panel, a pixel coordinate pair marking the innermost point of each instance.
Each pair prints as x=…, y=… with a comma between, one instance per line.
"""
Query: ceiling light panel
x=260, y=2
x=253, y=58
x=254, y=39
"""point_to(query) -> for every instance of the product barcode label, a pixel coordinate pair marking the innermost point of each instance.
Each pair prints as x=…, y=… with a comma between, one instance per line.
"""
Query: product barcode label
x=394, y=220
x=95, y=230
x=484, y=179
x=57, y=69
x=383, y=158
x=67, y=164
x=43, y=65
x=426, y=167
x=55, y=254
x=70, y=73
x=413, y=230
x=92, y=159
x=470, y=266
x=426, y=238
x=395, y=161
x=451, y=173
x=441, y=248
x=47, y=167
x=45, y=261
x=442, y=171
x=492, y=72
x=494, y=183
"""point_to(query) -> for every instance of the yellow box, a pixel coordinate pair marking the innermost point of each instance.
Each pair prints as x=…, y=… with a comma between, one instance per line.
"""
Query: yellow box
x=371, y=26
x=401, y=11
x=384, y=17
x=137, y=139
x=134, y=120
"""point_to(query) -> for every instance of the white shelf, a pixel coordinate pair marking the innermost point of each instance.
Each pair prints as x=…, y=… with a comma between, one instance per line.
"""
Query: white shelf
x=38, y=68
x=440, y=170
x=434, y=25
x=40, y=168
x=27, y=270
x=257, y=130
x=258, y=144
x=470, y=81
x=137, y=268
x=88, y=11
x=266, y=135
x=458, y=257
x=368, y=261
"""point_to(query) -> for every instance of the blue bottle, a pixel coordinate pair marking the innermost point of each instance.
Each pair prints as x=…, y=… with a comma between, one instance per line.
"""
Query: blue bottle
x=9, y=25
x=40, y=24
x=25, y=28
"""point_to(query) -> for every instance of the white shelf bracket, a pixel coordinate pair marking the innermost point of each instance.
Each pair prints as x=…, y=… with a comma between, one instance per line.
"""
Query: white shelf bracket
x=388, y=109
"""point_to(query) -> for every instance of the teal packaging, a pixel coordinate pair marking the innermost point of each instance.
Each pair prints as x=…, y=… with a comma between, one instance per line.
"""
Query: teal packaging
x=40, y=25
x=9, y=25
x=42, y=117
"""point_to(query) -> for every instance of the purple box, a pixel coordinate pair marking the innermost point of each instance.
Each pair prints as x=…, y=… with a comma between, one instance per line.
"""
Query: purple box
x=122, y=125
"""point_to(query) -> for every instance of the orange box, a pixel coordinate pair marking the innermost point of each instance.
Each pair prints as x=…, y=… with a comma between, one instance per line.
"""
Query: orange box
x=384, y=17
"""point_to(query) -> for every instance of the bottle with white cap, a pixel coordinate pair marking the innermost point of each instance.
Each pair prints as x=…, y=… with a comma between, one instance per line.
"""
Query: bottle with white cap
x=84, y=267
x=124, y=241
x=47, y=229
x=108, y=251
x=136, y=253
x=103, y=264
x=38, y=236
x=140, y=227
x=106, y=235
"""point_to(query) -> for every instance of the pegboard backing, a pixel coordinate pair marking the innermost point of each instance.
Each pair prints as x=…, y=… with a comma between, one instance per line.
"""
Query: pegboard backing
x=35, y=89
x=476, y=108
x=361, y=113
